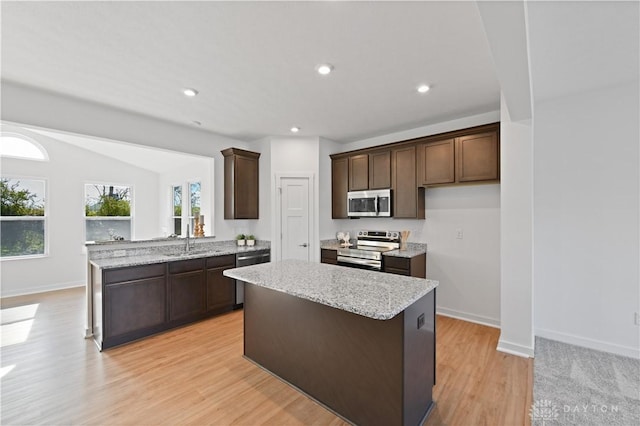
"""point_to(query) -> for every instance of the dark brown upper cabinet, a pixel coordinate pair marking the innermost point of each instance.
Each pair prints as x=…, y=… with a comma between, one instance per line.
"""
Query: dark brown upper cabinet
x=339, y=187
x=408, y=198
x=241, y=183
x=464, y=156
x=370, y=171
x=478, y=157
x=436, y=162
x=380, y=170
x=359, y=172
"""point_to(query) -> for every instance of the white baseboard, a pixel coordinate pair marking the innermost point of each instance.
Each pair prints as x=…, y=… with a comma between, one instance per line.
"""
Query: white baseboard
x=43, y=289
x=585, y=342
x=515, y=349
x=465, y=316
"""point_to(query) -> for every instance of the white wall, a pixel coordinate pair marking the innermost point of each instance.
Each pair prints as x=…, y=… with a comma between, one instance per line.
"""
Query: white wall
x=262, y=227
x=586, y=219
x=200, y=170
x=469, y=268
x=516, y=235
x=291, y=155
x=328, y=227
x=66, y=173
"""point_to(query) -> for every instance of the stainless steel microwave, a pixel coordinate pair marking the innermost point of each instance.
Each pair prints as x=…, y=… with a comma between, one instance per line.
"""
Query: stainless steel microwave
x=369, y=203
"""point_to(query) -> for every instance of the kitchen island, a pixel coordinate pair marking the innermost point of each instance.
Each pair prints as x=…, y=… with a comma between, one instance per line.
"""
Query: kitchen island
x=361, y=343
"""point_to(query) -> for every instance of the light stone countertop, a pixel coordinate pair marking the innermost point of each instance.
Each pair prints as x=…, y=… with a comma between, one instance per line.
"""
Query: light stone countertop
x=413, y=249
x=162, y=253
x=371, y=294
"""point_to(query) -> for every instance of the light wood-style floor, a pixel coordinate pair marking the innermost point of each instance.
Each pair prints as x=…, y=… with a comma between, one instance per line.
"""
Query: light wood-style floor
x=196, y=375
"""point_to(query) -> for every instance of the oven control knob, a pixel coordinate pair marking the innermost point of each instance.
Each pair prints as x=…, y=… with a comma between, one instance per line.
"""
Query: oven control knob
x=362, y=232
x=394, y=235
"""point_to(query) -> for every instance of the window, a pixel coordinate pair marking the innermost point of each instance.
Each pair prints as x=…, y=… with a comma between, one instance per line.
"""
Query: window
x=185, y=210
x=19, y=146
x=194, y=203
x=177, y=209
x=107, y=212
x=22, y=217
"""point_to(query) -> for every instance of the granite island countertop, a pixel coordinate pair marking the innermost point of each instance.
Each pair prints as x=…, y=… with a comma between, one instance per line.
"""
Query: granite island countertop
x=126, y=254
x=367, y=293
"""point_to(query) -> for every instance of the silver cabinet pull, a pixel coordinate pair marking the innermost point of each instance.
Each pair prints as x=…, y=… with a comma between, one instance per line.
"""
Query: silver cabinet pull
x=304, y=245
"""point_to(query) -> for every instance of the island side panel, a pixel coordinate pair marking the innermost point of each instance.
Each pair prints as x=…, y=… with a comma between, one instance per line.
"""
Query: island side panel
x=350, y=363
x=96, y=305
x=419, y=358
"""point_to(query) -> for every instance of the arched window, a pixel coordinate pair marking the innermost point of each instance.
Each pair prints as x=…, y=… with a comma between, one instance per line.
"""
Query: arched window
x=23, y=208
x=19, y=146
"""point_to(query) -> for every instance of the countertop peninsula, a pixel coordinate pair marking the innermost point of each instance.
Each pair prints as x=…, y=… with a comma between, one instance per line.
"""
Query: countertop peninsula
x=133, y=253
x=368, y=293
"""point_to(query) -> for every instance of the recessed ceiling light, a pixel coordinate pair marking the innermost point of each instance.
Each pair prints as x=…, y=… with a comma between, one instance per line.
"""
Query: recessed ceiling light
x=295, y=129
x=190, y=92
x=324, y=69
x=423, y=88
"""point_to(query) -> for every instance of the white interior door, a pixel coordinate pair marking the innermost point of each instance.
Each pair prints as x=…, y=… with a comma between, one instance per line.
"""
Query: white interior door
x=295, y=226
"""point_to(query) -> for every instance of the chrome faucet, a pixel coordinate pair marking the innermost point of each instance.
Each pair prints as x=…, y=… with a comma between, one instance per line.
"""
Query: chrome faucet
x=187, y=246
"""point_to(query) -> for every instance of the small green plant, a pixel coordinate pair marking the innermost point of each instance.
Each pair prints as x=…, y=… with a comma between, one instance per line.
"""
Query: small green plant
x=250, y=237
x=240, y=237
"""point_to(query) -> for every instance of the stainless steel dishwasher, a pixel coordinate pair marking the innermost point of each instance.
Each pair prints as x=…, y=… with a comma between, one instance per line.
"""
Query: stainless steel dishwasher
x=246, y=259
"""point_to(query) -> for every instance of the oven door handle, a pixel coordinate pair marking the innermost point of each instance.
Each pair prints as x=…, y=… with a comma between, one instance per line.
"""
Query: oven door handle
x=365, y=262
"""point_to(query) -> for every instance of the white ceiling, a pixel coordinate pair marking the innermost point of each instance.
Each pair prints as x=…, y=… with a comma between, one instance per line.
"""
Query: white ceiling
x=253, y=62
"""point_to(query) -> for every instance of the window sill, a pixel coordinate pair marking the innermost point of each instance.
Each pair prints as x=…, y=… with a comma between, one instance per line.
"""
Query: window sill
x=24, y=257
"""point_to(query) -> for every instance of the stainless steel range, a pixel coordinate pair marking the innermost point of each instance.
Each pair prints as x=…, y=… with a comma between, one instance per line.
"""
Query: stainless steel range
x=369, y=248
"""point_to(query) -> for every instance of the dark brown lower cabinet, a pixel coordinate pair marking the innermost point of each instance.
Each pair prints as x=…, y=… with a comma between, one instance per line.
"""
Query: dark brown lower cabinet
x=134, y=302
x=133, y=306
x=415, y=266
x=221, y=290
x=186, y=289
x=329, y=256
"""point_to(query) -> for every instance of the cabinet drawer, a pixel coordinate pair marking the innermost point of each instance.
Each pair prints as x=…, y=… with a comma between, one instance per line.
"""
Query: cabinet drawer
x=133, y=273
x=328, y=254
x=186, y=266
x=217, y=261
x=397, y=263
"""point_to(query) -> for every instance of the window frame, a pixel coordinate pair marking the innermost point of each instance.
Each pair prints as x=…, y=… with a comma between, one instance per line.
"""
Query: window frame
x=130, y=218
x=173, y=206
x=187, y=217
x=44, y=218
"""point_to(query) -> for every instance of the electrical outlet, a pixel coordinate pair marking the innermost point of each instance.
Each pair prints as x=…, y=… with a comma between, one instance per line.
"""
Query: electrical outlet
x=636, y=318
x=420, y=321
x=459, y=233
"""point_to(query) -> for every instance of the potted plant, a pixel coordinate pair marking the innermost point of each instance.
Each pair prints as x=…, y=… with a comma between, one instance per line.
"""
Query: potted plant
x=240, y=239
x=251, y=240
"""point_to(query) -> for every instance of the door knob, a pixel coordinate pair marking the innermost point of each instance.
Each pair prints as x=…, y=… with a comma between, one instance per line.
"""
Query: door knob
x=304, y=245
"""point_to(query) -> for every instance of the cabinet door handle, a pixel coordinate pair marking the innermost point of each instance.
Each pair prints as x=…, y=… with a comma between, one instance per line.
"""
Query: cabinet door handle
x=303, y=245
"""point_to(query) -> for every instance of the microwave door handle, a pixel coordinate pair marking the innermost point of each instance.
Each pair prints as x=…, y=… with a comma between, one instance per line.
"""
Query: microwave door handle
x=376, y=205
